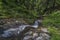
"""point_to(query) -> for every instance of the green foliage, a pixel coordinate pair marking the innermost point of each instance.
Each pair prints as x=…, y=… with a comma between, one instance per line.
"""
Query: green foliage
x=30, y=9
x=53, y=19
x=19, y=8
x=55, y=33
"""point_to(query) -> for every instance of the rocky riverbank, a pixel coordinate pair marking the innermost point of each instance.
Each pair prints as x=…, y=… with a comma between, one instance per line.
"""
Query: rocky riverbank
x=27, y=34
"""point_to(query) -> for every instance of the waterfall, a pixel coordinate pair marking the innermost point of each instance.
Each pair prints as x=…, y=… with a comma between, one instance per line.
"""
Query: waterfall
x=35, y=24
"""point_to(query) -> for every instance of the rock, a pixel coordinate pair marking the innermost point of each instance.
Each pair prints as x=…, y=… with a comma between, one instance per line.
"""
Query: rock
x=1, y=30
x=44, y=30
x=33, y=35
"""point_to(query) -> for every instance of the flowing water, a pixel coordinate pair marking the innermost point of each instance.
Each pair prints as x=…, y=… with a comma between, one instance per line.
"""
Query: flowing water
x=29, y=35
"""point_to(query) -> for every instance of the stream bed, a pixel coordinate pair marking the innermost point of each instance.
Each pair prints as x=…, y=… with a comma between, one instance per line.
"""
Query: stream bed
x=11, y=27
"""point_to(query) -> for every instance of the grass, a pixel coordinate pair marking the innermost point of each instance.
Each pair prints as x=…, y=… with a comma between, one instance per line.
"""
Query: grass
x=55, y=33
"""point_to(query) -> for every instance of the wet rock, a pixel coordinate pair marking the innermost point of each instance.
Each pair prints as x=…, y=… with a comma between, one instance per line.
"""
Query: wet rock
x=1, y=30
x=33, y=35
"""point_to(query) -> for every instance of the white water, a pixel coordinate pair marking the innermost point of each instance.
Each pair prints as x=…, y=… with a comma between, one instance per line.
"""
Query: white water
x=16, y=31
